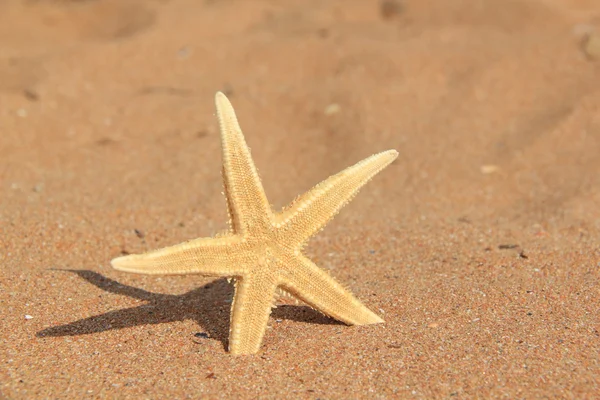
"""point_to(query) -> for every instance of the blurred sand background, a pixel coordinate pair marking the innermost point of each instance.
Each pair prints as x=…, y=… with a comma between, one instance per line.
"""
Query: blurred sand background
x=479, y=246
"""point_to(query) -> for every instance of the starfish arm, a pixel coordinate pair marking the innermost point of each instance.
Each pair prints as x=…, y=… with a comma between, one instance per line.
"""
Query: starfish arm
x=313, y=210
x=252, y=303
x=318, y=289
x=205, y=256
x=246, y=199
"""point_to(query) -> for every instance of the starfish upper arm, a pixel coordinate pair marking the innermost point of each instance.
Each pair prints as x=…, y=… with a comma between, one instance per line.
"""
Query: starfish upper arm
x=310, y=212
x=246, y=198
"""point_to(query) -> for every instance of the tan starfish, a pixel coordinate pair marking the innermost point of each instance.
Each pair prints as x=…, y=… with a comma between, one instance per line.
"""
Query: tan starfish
x=263, y=249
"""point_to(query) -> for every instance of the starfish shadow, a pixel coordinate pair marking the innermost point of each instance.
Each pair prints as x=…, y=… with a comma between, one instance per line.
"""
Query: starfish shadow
x=208, y=305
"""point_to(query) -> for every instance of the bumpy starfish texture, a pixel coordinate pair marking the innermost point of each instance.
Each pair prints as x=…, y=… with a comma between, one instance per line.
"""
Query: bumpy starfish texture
x=262, y=251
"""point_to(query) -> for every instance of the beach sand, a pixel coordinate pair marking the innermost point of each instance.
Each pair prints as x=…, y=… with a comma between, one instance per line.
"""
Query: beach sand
x=479, y=245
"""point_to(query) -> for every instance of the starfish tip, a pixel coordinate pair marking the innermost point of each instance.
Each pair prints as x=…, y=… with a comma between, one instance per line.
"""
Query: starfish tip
x=119, y=263
x=220, y=96
x=373, y=319
x=393, y=154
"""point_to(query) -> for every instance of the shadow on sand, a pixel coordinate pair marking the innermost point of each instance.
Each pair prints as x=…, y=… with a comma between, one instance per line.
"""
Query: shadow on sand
x=208, y=305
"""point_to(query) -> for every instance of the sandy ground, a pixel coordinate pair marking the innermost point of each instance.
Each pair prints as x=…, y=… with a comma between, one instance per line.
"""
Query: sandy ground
x=480, y=245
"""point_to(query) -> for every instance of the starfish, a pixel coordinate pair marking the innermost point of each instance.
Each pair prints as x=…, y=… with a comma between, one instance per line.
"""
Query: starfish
x=262, y=250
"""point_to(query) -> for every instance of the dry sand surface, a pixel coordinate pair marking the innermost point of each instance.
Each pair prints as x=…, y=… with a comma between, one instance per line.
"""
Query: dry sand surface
x=479, y=245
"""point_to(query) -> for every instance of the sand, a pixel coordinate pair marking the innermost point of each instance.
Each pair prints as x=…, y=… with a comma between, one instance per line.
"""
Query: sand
x=479, y=245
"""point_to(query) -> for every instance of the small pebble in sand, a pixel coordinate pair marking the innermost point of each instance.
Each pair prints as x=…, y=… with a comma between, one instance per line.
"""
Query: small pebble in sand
x=489, y=169
x=390, y=8
x=27, y=316
x=591, y=46
x=184, y=52
x=31, y=95
x=333, y=108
